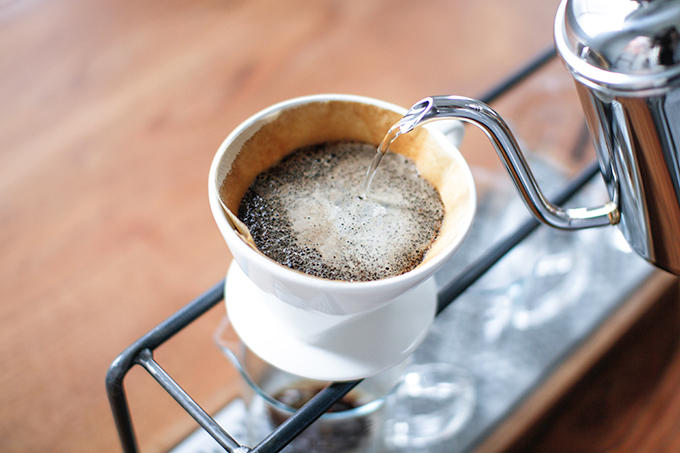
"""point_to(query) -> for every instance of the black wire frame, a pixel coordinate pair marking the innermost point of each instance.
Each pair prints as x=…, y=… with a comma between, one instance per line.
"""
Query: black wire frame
x=141, y=351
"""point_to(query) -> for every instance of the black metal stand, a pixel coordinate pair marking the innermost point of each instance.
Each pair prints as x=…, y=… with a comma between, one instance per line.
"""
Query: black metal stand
x=141, y=352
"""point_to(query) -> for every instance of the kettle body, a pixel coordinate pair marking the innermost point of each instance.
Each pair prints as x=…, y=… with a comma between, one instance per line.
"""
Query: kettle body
x=624, y=56
x=636, y=141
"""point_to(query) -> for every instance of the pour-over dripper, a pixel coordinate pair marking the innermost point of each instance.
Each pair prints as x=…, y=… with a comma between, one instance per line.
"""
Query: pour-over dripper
x=326, y=314
x=270, y=135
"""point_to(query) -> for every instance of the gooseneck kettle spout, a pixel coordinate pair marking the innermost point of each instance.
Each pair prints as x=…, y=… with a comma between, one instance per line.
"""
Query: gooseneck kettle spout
x=436, y=108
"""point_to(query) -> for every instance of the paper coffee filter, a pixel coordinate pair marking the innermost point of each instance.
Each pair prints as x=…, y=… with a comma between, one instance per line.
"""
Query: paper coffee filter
x=267, y=141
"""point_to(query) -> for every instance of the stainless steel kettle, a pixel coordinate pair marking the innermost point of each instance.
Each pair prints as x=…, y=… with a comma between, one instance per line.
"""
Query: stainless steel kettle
x=624, y=56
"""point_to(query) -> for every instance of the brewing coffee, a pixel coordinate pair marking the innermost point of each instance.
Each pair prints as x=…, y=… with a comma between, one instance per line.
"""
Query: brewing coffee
x=305, y=213
x=347, y=432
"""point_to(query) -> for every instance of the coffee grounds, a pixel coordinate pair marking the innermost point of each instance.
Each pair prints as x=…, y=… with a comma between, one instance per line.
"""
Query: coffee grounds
x=305, y=213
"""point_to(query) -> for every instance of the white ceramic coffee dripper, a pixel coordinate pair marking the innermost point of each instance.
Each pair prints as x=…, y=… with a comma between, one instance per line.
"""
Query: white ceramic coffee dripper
x=314, y=327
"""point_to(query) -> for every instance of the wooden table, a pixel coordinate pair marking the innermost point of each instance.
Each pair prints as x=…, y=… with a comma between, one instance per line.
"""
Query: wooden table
x=110, y=114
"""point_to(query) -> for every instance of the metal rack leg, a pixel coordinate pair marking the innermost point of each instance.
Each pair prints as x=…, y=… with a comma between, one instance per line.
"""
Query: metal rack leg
x=154, y=338
x=227, y=442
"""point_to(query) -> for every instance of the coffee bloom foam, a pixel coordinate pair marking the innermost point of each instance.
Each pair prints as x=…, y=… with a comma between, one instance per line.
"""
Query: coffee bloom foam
x=305, y=213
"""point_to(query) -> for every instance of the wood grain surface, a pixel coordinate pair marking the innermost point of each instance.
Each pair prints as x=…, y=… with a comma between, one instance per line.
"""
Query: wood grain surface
x=110, y=114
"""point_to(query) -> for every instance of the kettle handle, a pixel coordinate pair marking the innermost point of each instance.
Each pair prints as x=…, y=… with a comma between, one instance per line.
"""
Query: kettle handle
x=436, y=108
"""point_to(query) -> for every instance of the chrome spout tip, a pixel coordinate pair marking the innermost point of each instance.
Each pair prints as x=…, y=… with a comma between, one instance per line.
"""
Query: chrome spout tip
x=419, y=113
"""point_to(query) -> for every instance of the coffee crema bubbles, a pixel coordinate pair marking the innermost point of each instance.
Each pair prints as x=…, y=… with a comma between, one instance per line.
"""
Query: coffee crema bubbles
x=306, y=214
